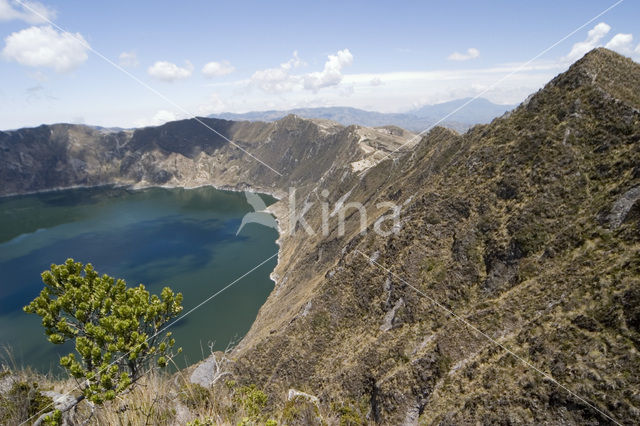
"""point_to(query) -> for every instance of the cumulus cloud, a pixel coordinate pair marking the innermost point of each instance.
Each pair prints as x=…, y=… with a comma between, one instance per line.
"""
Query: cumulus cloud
x=594, y=36
x=46, y=47
x=280, y=79
x=128, y=59
x=472, y=53
x=217, y=69
x=160, y=117
x=331, y=75
x=31, y=12
x=170, y=72
x=164, y=116
x=621, y=43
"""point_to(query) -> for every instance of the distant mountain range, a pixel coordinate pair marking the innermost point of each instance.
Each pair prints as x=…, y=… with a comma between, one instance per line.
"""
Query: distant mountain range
x=478, y=111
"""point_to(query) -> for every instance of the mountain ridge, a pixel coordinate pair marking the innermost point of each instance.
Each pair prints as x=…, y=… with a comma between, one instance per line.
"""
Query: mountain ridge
x=187, y=153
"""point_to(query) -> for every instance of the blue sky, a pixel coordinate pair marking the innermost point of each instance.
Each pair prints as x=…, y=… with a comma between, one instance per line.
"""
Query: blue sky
x=383, y=56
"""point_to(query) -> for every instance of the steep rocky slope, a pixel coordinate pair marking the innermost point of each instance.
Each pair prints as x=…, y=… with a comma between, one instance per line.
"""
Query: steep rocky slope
x=523, y=234
x=292, y=151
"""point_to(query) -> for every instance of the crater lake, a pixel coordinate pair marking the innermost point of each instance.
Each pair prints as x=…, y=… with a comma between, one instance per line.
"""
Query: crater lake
x=182, y=238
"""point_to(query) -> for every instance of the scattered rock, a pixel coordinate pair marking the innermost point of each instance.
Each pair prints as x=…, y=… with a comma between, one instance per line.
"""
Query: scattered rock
x=6, y=381
x=390, y=317
x=61, y=401
x=306, y=309
x=209, y=371
x=623, y=206
x=294, y=393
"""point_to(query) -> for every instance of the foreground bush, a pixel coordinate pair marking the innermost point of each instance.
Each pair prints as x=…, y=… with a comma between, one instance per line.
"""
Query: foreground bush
x=118, y=331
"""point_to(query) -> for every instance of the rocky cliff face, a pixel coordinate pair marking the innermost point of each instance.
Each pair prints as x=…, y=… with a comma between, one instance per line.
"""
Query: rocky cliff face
x=516, y=266
x=293, y=151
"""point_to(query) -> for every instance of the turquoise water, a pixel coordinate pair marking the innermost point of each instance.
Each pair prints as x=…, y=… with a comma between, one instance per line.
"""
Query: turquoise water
x=181, y=238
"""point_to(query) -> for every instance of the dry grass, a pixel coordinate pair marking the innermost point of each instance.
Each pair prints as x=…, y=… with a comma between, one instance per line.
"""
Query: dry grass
x=158, y=398
x=163, y=398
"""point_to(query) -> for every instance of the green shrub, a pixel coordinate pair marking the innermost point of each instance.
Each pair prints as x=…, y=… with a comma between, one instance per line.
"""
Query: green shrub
x=118, y=331
x=207, y=421
x=349, y=416
x=251, y=400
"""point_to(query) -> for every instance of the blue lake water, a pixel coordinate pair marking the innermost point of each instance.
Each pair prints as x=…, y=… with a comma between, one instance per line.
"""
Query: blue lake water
x=181, y=238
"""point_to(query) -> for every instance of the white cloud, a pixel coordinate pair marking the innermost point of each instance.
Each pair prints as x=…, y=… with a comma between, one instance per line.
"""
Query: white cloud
x=46, y=47
x=472, y=53
x=169, y=72
x=30, y=12
x=621, y=43
x=593, y=40
x=280, y=79
x=331, y=75
x=213, y=105
x=128, y=59
x=217, y=69
x=164, y=116
x=160, y=117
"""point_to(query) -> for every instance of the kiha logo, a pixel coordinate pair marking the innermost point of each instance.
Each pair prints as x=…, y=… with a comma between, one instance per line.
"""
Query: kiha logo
x=259, y=214
x=296, y=217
